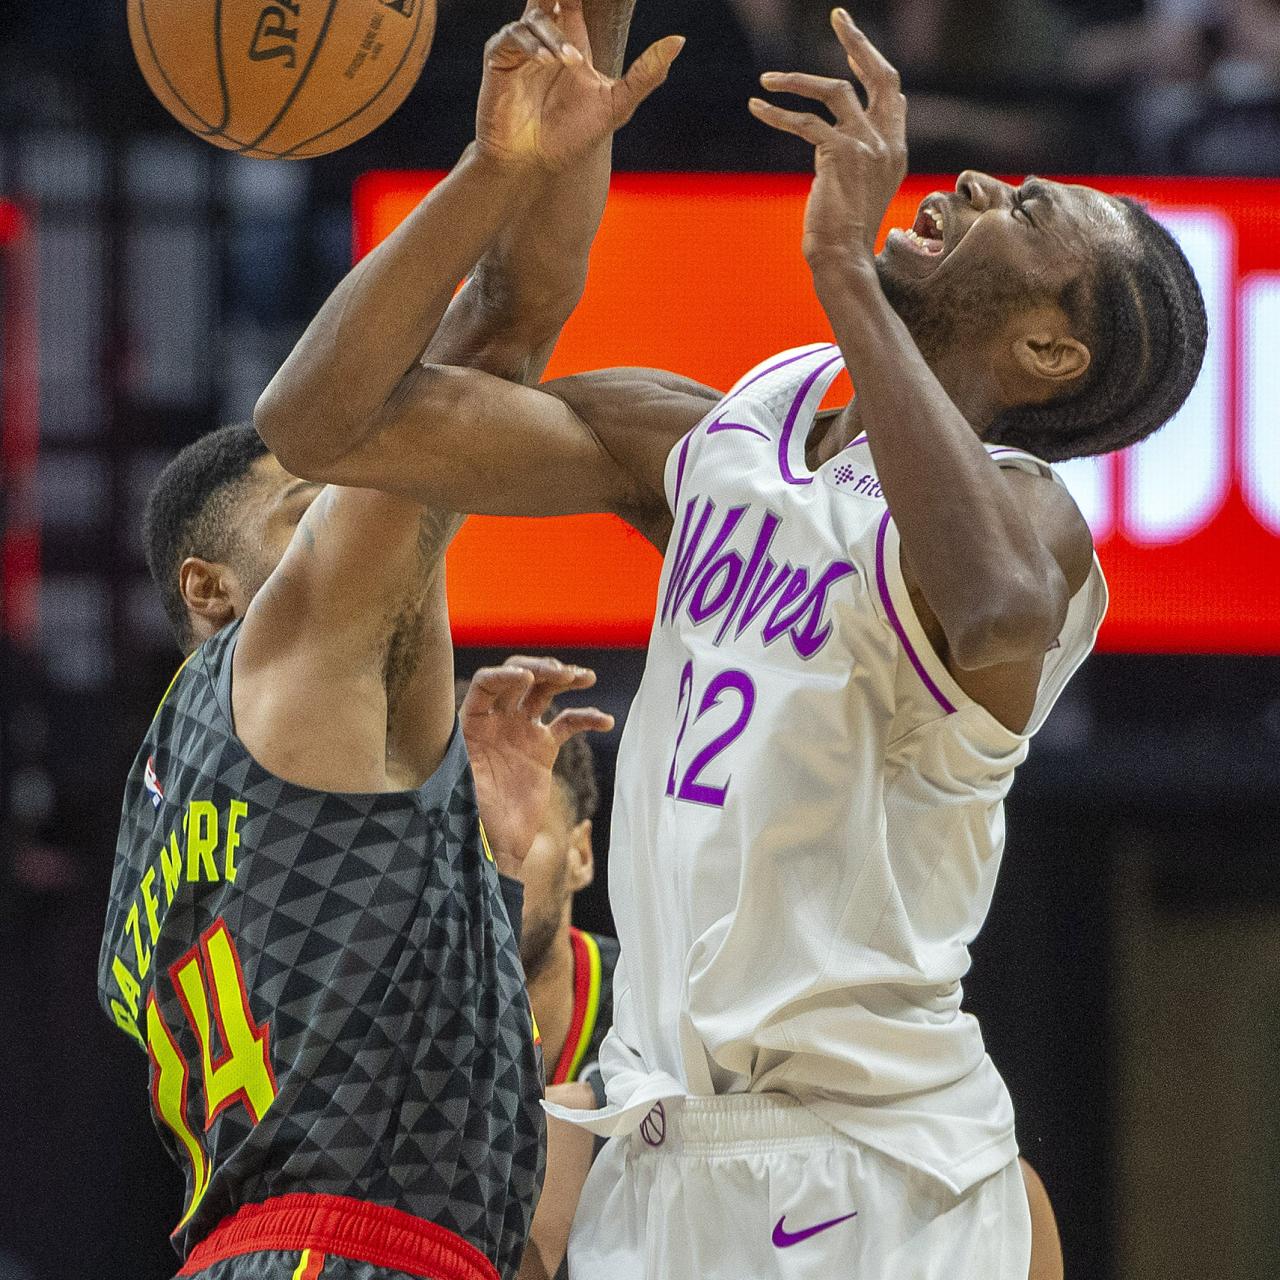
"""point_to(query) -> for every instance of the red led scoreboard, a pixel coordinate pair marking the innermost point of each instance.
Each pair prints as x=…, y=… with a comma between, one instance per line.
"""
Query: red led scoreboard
x=702, y=274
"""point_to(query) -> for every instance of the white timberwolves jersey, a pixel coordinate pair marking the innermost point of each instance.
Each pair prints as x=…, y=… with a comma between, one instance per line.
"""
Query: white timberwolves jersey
x=808, y=818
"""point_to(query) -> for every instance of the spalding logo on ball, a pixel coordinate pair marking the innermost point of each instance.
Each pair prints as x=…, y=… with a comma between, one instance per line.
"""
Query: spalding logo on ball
x=287, y=79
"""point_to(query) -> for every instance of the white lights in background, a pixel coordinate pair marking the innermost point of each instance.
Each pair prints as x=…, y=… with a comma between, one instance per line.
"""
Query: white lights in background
x=1092, y=485
x=1177, y=480
x=1260, y=406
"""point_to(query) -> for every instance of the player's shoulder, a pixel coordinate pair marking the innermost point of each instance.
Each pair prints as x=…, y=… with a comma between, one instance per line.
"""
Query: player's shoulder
x=609, y=948
x=194, y=683
x=649, y=401
x=1057, y=519
x=636, y=418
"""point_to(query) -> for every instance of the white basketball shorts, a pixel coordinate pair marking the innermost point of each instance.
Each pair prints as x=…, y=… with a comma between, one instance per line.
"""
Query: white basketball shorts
x=756, y=1187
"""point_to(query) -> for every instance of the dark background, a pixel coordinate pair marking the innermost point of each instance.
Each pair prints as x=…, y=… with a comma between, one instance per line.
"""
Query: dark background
x=171, y=281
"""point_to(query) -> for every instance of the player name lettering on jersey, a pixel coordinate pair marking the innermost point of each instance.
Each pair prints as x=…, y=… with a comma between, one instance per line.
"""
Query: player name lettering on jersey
x=712, y=581
x=207, y=853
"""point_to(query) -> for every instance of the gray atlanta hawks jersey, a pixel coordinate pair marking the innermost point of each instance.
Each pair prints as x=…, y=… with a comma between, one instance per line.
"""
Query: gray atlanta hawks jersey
x=808, y=814
x=327, y=986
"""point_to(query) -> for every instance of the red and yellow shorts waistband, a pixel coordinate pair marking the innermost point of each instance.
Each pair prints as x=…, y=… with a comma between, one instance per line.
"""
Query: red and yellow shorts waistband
x=353, y=1229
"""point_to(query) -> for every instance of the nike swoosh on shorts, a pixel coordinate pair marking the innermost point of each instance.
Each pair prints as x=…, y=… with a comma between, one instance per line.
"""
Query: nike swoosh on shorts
x=784, y=1239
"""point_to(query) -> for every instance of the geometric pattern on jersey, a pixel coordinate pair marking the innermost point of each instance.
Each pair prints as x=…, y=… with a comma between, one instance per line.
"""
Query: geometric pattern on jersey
x=307, y=1265
x=595, y=957
x=372, y=943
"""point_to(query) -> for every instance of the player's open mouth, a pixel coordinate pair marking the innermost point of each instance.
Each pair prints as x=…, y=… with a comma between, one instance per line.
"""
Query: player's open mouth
x=926, y=238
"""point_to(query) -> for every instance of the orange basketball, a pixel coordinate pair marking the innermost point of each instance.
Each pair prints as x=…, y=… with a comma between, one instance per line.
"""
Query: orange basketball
x=281, y=78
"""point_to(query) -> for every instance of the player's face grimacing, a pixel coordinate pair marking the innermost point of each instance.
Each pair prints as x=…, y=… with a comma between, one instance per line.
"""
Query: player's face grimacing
x=974, y=258
x=1044, y=231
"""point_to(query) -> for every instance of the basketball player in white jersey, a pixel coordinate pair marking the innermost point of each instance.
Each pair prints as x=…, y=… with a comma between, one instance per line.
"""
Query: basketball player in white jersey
x=863, y=617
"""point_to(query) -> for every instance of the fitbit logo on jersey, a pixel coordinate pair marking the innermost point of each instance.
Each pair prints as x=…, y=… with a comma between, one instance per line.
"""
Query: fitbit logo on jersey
x=274, y=36
x=709, y=581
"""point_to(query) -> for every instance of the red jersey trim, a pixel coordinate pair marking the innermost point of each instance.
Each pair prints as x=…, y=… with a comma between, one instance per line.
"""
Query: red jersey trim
x=310, y=1265
x=586, y=1006
x=352, y=1229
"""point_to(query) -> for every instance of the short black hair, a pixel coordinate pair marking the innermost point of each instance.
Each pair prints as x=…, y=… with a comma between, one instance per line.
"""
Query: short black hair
x=1143, y=319
x=190, y=512
x=576, y=772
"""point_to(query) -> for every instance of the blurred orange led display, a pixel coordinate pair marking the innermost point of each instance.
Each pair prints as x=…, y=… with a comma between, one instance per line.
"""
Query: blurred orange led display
x=702, y=274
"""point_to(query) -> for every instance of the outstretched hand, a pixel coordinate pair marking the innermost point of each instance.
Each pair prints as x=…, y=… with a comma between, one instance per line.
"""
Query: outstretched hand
x=861, y=158
x=513, y=750
x=543, y=104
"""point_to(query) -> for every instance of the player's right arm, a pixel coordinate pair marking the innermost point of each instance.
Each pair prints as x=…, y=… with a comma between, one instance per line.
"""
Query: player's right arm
x=570, y=1151
x=542, y=109
x=351, y=628
x=465, y=441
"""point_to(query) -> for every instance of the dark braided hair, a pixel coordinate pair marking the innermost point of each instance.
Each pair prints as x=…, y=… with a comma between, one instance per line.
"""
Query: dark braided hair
x=191, y=512
x=1143, y=319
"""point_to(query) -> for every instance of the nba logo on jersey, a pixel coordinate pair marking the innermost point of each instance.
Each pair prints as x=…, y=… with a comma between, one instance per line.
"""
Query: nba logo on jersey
x=152, y=783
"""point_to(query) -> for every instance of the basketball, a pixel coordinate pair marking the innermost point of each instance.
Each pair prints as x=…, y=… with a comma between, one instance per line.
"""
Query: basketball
x=285, y=79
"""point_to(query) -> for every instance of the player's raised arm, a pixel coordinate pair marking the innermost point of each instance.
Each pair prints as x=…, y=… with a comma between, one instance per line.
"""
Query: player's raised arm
x=996, y=557
x=508, y=317
x=543, y=108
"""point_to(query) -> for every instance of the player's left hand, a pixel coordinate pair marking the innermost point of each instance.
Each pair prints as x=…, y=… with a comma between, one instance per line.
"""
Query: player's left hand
x=542, y=102
x=861, y=158
x=512, y=749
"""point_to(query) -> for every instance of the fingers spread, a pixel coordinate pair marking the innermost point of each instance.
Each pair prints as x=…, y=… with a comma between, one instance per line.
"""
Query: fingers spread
x=568, y=724
x=516, y=46
x=802, y=123
x=648, y=71
x=496, y=689
x=544, y=27
x=550, y=677
x=535, y=38
x=837, y=95
x=878, y=75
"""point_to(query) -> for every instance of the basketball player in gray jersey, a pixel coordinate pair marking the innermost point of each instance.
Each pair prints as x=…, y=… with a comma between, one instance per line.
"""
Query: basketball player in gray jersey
x=301, y=863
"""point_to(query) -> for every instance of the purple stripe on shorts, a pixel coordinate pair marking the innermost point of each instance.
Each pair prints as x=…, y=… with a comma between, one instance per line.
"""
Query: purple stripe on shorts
x=785, y=443
x=883, y=582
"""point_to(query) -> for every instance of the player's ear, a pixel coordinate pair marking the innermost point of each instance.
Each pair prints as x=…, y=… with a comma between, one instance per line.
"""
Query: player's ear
x=1050, y=356
x=582, y=863
x=208, y=588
